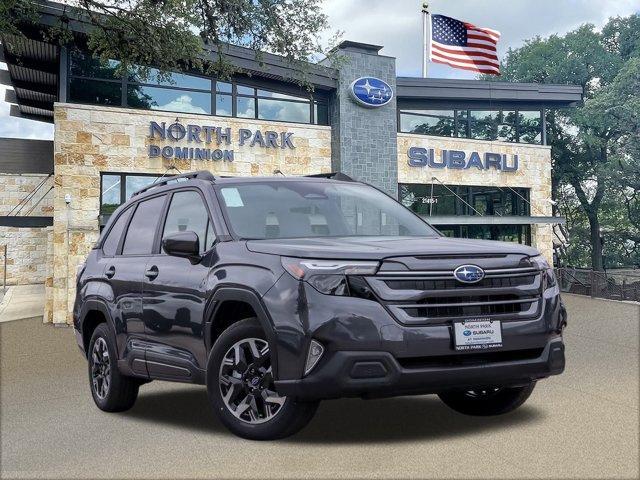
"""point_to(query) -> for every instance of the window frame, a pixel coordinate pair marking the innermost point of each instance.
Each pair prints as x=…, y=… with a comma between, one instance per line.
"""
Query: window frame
x=311, y=100
x=128, y=211
x=123, y=186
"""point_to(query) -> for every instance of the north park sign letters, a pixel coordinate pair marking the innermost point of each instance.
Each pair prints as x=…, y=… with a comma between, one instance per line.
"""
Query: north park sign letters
x=457, y=159
x=207, y=134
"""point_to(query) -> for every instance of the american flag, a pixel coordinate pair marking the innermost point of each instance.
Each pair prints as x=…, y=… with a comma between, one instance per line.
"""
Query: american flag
x=463, y=45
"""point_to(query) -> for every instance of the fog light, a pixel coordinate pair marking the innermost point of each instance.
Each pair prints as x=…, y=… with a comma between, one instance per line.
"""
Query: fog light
x=315, y=352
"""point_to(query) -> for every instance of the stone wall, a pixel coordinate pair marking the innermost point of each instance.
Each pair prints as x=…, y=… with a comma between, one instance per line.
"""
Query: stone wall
x=534, y=172
x=364, y=139
x=26, y=247
x=89, y=140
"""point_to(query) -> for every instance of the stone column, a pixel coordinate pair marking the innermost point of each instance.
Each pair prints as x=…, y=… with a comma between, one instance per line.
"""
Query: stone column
x=363, y=140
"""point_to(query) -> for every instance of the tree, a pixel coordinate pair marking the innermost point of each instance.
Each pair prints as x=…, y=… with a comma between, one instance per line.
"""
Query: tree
x=172, y=35
x=594, y=146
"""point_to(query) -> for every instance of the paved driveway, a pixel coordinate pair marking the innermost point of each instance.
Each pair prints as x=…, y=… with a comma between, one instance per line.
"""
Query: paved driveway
x=583, y=424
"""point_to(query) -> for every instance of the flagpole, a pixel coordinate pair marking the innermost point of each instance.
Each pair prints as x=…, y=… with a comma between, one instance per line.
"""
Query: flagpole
x=426, y=37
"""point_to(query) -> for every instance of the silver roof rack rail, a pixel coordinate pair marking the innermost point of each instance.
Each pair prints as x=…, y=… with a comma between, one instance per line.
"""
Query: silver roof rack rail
x=201, y=175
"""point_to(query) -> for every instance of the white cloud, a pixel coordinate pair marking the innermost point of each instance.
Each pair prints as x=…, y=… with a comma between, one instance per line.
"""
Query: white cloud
x=184, y=103
x=398, y=25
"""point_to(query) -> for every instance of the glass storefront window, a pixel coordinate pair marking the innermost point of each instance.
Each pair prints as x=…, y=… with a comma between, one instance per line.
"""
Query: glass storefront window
x=179, y=80
x=117, y=188
x=282, y=110
x=530, y=127
x=95, y=92
x=246, y=107
x=84, y=64
x=158, y=98
x=459, y=200
x=94, y=82
x=428, y=122
x=321, y=113
x=224, y=105
x=503, y=125
x=224, y=87
x=110, y=198
x=503, y=233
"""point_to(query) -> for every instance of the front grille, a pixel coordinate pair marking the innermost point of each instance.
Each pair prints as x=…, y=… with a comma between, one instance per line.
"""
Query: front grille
x=428, y=297
x=454, y=284
x=469, y=359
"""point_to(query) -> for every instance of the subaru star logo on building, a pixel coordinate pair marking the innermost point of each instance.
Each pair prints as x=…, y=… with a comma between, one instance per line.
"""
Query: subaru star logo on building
x=468, y=274
x=371, y=92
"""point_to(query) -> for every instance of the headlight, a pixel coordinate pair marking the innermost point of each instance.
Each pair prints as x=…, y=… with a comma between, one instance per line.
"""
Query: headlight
x=546, y=269
x=327, y=276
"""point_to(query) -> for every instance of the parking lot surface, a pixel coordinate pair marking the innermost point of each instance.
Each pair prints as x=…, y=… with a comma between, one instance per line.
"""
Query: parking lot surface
x=582, y=424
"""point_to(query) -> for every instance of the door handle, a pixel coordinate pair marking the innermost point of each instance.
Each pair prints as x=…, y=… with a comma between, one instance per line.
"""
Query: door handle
x=111, y=271
x=151, y=273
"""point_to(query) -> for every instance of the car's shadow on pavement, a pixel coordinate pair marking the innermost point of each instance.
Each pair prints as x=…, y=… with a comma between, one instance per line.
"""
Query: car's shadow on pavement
x=339, y=421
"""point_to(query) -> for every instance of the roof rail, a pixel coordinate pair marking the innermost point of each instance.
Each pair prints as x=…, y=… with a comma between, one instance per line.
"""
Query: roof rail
x=200, y=175
x=333, y=176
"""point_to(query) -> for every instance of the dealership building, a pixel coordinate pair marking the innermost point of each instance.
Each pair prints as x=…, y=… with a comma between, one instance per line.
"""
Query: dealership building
x=471, y=157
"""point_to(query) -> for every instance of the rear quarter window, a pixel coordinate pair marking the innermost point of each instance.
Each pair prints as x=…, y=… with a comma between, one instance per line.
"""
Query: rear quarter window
x=110, y=244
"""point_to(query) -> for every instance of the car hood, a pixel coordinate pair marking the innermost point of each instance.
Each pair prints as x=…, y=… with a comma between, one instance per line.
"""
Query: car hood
x=378, y=248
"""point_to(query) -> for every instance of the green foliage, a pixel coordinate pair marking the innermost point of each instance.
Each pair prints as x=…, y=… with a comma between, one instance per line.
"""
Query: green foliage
x=172, y=35
x=595, y=147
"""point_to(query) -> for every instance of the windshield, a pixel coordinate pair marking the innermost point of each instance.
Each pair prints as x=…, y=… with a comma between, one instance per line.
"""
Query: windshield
x=283, y=209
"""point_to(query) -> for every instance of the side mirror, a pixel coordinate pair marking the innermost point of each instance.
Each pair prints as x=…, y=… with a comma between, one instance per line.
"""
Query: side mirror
x=182, y=244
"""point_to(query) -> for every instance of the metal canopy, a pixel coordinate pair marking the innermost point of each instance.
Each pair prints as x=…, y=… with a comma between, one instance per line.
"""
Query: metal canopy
x=33, y=74
x=492, y=220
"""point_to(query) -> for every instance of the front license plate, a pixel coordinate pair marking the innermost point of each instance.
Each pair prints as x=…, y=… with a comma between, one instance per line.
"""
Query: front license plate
x=477, y=334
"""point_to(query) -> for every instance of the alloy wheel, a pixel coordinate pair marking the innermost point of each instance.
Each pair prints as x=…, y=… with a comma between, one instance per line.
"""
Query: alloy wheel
x=482, y=393
x=246, y=382
x=100, y=368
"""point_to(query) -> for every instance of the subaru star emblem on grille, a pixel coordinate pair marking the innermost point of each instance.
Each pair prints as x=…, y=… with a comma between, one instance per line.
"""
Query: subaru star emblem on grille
x=468, y=274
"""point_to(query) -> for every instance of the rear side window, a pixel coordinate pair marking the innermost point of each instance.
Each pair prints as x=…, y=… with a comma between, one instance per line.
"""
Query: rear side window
x=188, y=212
x=142, y=229
x=110, y=244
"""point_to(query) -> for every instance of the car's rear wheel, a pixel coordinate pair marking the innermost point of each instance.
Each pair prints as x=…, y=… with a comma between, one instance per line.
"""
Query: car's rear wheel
x=111, y=391
x=487, y=401
x=241, y=386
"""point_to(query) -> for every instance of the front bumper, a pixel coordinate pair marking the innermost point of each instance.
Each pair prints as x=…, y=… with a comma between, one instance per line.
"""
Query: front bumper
x=380, y=374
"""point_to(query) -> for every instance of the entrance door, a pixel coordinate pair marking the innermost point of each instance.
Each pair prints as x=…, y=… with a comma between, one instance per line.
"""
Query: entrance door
x=174, y=296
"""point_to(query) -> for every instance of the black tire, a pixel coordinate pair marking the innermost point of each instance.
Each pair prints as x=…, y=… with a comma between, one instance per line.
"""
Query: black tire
x=290, y=416
x=121, y=392
x=487, y=401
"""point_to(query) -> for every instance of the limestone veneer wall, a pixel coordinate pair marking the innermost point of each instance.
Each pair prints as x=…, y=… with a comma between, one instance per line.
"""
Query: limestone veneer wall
x=92, y=139
x=26, y=247
x=534, y=172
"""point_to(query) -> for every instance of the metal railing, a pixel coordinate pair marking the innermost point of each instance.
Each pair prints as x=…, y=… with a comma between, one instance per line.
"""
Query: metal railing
x=612, y=285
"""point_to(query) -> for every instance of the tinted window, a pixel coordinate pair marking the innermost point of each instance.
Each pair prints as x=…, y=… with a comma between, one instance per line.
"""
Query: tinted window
x=187, y=212
x=157, y=98
x=283, y=110
x=140, y=236
x=95, y=91
x=110, y=244
x=110, y=193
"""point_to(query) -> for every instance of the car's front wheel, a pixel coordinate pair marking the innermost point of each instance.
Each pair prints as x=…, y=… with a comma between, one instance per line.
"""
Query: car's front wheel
x=487, y=401
x=111, y=391
x=241, y=386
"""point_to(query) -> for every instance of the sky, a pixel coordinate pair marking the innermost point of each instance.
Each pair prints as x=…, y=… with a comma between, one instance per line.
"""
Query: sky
x=397, y=25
